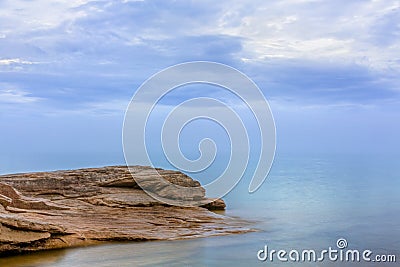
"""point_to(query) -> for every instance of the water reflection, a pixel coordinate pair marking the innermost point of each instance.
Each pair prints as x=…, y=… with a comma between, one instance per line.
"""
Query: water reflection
x=45, y=258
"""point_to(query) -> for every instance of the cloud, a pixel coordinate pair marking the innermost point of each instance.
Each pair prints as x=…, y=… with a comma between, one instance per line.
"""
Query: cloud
x=24, y=16
x=101, y=51
x=12, y=61
x=315, y=30
x=308, y=30
x=73, y=65
x=13, y=96
x=317, y=82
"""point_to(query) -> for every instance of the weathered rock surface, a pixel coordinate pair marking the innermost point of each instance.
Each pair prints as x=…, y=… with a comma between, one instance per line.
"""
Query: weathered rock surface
x=49, y=210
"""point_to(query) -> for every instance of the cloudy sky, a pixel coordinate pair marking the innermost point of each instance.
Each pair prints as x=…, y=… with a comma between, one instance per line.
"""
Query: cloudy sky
x=68, y=68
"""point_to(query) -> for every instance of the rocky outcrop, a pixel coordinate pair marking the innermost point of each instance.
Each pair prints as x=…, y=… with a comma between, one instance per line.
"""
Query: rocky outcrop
x=49, y=210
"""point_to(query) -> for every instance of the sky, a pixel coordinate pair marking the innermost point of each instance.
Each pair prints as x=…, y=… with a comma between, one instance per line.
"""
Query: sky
x=68, y=69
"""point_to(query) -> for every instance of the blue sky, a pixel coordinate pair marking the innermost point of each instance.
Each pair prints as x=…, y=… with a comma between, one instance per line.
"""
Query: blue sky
x=330, y=70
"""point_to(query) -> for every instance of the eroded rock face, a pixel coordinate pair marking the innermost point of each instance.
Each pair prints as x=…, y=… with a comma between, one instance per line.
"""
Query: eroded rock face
x=61, y=209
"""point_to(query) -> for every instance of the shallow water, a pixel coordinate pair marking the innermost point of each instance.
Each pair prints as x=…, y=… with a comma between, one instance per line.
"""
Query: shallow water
x=306, y=203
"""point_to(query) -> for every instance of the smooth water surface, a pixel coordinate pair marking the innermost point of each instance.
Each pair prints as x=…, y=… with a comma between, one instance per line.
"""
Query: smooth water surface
x=306, y=203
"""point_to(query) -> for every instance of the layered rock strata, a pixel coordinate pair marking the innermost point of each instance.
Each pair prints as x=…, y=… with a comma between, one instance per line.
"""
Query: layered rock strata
x=60, y=209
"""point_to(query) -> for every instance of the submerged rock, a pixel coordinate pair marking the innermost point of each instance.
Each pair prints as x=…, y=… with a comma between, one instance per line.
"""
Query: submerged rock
x=60, y=209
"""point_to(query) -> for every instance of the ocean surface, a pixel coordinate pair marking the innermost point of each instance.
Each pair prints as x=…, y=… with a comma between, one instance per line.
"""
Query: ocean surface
x=307, y=202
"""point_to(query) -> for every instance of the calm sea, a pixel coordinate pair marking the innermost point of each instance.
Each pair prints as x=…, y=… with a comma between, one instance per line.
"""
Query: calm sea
x=306, y=203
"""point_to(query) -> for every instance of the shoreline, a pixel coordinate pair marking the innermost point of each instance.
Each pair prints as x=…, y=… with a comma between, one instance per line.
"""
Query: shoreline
x=74, y=208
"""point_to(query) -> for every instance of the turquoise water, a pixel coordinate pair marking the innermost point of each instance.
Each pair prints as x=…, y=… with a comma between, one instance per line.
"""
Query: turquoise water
x=306, y=203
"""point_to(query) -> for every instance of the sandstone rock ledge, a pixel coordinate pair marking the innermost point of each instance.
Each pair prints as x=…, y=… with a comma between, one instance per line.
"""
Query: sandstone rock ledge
x=60, y=209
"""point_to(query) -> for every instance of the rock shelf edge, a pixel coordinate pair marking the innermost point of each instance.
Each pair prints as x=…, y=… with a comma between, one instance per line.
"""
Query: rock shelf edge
x=61, y=209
